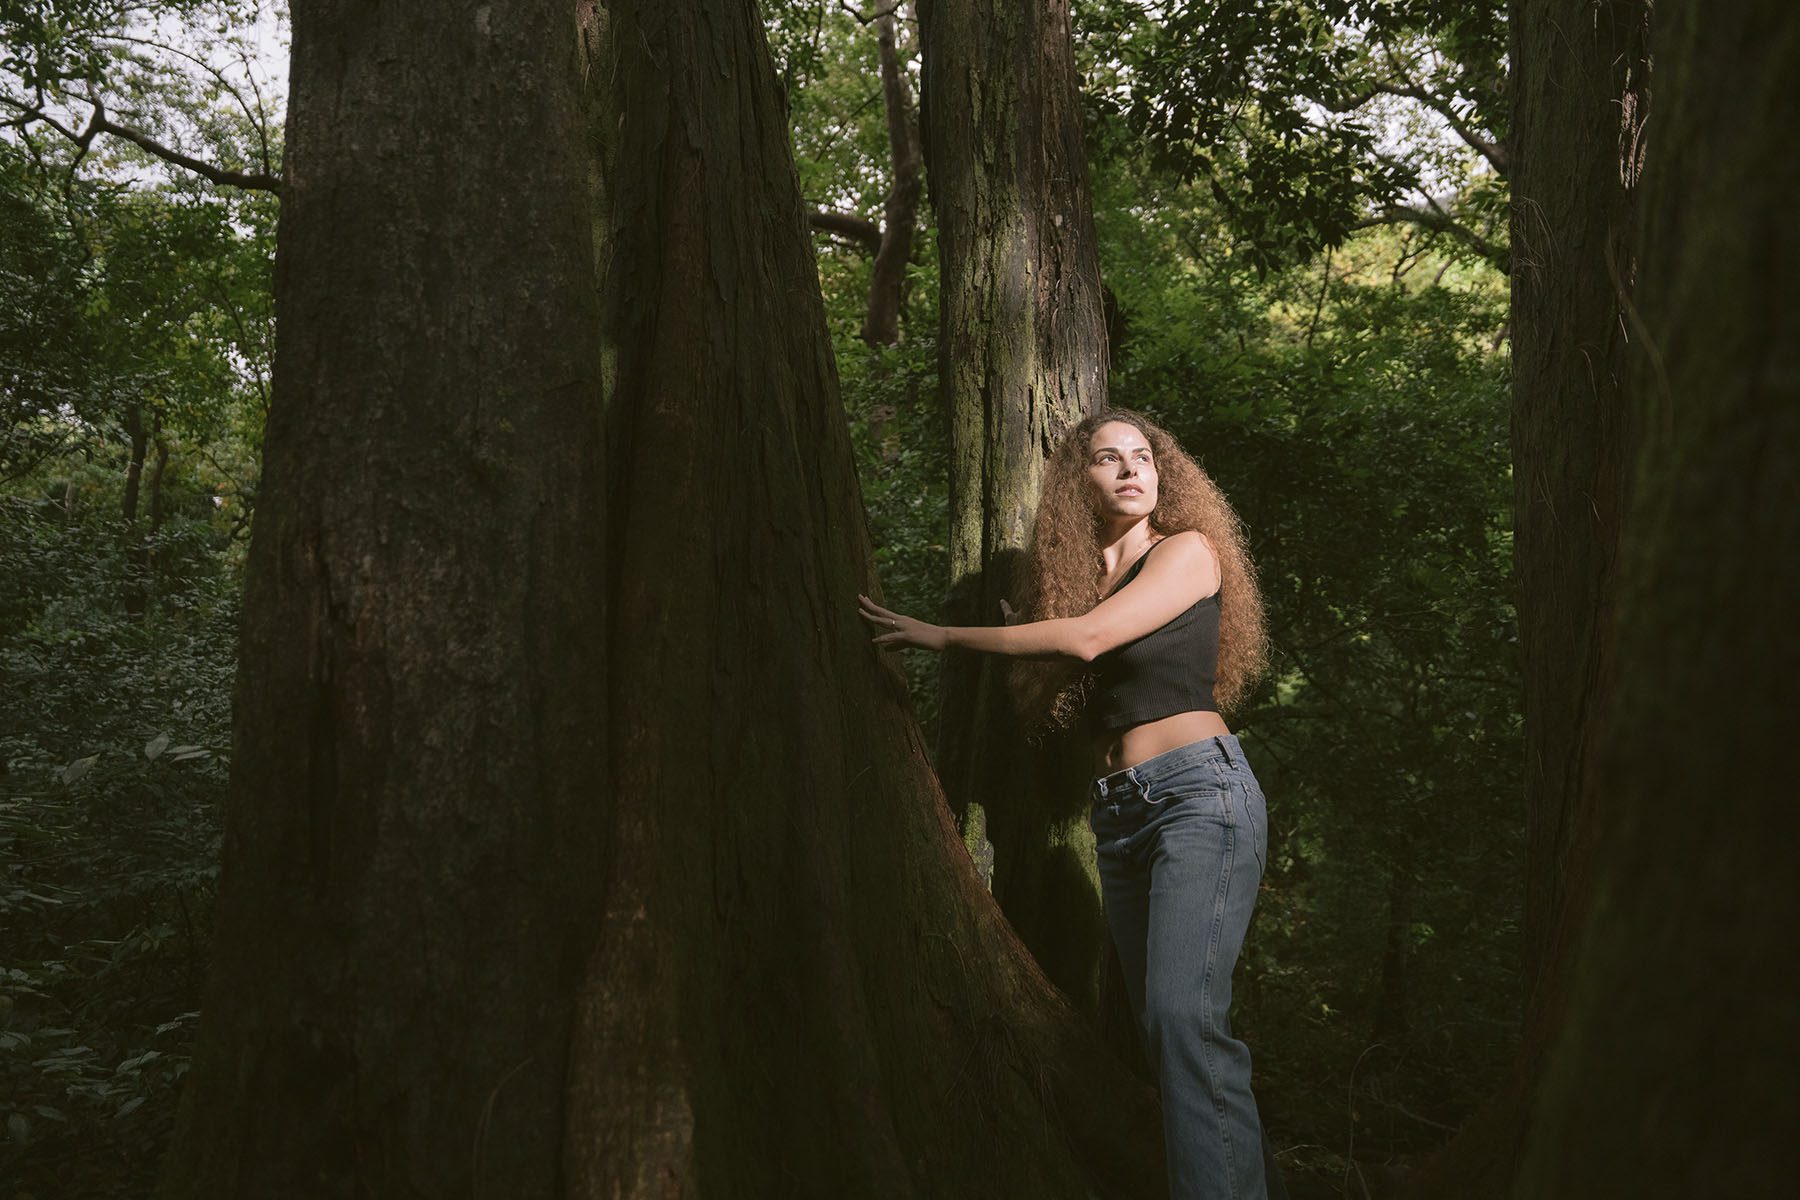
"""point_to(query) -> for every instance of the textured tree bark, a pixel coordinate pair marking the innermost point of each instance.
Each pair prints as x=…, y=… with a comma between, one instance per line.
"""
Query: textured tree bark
x=887, y=283
x=414, y=837
x=580, y=843
x=1659, y=1054
x=1022, y=355
x=1580, y=99
x=797, y=962
x=1672, y=1074
x=1580, y=87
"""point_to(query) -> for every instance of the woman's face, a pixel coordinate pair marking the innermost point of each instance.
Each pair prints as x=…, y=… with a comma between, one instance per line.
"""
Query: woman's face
x=1121, y=472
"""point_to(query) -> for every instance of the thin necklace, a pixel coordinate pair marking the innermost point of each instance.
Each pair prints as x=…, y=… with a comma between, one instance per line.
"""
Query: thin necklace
x=1126, y=567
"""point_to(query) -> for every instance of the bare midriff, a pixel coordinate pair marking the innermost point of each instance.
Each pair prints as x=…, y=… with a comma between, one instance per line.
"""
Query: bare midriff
x=1120, y=748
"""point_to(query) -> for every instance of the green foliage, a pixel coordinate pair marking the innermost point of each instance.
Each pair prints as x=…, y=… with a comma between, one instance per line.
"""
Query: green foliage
x=113, y=743
x=897, y=422
x=124, y=94
x=46, y=346
x=1311, y=118
x=837, y=119
x=140, y=338
x=146, y=308
x=902, y=460
x=798, y=44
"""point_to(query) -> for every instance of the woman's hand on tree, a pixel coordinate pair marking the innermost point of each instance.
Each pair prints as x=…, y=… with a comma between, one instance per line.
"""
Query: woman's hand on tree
x=896, y=632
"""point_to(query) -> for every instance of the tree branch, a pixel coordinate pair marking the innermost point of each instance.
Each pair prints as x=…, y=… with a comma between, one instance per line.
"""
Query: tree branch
x=869, y=18
x=254, y=114
x=906, y=155
x=98, y=124
x=1489, y=149
x=1437, y=220
x=860, y=230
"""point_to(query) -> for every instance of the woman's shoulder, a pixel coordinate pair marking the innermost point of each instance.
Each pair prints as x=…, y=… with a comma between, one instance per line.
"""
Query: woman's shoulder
x=1186, y=542
x=1190, y=550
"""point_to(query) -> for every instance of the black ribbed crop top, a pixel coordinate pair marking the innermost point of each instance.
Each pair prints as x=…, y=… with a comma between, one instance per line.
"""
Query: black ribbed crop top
x=1167, y=671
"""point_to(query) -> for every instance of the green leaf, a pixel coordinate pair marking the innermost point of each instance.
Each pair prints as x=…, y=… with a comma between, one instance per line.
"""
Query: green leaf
x=78, y=768
x=155, y=746
x=132, y=1064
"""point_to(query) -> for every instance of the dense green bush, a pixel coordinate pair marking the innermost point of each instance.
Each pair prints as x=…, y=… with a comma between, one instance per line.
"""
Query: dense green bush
x=131, y=366
x=113, y=739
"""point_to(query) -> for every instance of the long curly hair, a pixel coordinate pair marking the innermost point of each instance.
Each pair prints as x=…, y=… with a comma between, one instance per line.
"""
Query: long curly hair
x=1063, y=567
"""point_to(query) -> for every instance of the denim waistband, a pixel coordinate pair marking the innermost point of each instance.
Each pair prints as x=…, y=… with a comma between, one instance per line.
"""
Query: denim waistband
x=1139, y=780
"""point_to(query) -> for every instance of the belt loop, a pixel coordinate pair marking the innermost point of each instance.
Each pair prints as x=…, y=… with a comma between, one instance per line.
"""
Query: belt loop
x=1225, y=750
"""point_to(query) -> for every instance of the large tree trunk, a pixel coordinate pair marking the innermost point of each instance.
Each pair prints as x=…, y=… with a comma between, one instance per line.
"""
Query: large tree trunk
x=797, y=963
x=1658, y=1059
x=580, y=843
x=1673, y=1072
x=1580, y=100
x=414, y=840
x=1022, y=355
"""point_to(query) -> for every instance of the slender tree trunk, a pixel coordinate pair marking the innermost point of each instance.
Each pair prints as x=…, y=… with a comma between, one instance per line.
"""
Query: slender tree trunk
x=414, y=845
x=138, y=447
x=135, y=598
x=580, y=844
x=887, y=285
x=1672, y=1074
x=156, y=479
x=1022, y=355
x=151, y=558
x=1391, y=1001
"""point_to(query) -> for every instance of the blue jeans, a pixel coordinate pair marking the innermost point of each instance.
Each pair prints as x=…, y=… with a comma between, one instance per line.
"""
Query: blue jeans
x=1181, y=839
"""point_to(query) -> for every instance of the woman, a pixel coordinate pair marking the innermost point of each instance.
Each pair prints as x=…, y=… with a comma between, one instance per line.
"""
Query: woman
x=1138, y=578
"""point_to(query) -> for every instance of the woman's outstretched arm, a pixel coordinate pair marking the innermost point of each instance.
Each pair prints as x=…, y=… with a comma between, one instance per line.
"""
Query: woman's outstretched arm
x=1183, y=573
x=1060, y=638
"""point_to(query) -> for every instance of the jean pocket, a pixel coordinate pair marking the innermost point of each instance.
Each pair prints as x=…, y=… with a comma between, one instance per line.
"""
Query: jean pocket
x=1209, y=799
x=1256, y=815
x=1110, y=823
